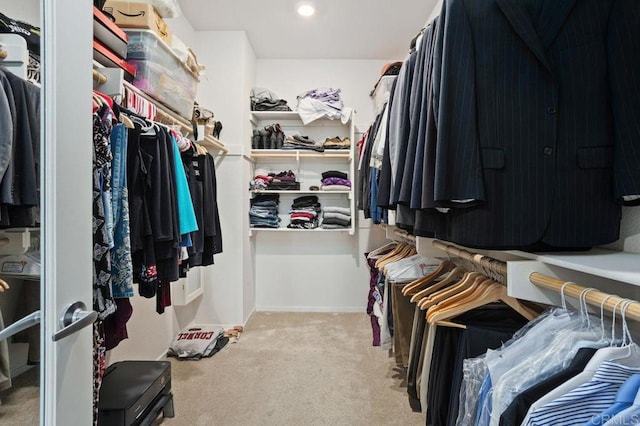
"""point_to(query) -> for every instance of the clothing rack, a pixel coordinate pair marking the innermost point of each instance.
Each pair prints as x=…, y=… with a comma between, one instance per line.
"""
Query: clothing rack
x=404, y=235
x=593, y=297
x=164, y=114
x=485, y=262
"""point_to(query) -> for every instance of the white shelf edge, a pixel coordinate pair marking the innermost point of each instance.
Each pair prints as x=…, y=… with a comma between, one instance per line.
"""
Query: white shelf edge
x=599, y=262
x=317, y=230
x=212, y=142
x=297, y=153
x=609, y=264
x=257, y=116
x=299, y=192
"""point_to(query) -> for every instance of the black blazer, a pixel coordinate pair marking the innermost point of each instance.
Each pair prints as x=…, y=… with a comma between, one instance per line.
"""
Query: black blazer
x=538, y=120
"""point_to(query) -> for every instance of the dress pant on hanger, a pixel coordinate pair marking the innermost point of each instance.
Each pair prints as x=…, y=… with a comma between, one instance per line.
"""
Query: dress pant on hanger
x=415, y=358
x=402, y=323
x=488, y=327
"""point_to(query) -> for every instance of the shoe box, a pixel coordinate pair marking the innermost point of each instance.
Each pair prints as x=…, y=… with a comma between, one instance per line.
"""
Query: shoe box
x=138, y=15
x=110, y=44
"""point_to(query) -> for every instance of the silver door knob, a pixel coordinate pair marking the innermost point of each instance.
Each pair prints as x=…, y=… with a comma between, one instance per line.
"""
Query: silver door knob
x=22, y=324
x=74, y=318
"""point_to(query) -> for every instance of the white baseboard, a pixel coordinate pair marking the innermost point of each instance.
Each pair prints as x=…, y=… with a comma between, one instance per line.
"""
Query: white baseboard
x=253, y=312
x=312, y=309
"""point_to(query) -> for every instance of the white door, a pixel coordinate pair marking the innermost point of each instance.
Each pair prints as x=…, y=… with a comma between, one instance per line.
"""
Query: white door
x=66, y=198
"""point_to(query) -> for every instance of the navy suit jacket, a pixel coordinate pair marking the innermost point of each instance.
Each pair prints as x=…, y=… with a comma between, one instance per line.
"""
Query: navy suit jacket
x=538, y=120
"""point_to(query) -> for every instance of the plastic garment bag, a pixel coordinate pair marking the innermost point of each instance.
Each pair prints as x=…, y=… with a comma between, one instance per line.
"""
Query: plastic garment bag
x=473, y=373
x=603, y=373
x=475, y=370
x=542, y=362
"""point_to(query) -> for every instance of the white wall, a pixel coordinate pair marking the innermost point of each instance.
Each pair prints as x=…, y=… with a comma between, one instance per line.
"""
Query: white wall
x=290, y=77
x=314, y=272
x=23, y=10
x=249, y=276
x=229, y=290
x=150, y=333
x=182, y=28
x=629, y=231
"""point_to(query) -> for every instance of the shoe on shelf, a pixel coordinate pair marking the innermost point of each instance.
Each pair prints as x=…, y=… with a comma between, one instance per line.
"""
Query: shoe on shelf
x=264, y=139
x=217, y=129
x=255, y=140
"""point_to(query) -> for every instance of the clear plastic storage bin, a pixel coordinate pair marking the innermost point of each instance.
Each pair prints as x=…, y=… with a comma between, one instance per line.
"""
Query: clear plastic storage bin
x=159, y=72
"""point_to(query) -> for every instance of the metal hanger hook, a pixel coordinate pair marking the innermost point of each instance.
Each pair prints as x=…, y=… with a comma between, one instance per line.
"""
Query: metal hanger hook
x=563, y=297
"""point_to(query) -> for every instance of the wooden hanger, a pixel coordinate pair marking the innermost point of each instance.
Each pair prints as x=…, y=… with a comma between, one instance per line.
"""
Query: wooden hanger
x=392, y=253
x=466, y=281
x=381, y=251
x=396, y=255
x=418, y=284
x=474, y=290
x=126, y=121
x=454, y=275
x=493, y=292
x=98, y=100
x=407, y=252
x=201, y=150
x=3, y=285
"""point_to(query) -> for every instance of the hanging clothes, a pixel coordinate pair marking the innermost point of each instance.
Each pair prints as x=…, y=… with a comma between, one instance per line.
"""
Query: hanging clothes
x=20, y=151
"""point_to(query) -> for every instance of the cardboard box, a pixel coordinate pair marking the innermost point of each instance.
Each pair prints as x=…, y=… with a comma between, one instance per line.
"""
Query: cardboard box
x=138, y=15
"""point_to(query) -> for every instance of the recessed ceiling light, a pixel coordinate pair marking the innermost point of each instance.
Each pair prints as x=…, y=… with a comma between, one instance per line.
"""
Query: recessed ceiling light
x=306, y=10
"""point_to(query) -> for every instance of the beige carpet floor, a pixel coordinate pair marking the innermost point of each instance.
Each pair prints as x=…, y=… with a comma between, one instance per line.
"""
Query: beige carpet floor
x=294, y=369
x=20, y=403
x=287, y=369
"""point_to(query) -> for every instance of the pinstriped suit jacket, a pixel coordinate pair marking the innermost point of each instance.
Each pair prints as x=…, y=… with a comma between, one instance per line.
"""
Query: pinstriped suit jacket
x=538, y=121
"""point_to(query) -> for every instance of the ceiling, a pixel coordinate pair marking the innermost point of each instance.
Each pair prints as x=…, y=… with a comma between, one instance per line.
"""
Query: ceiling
x=340, y=29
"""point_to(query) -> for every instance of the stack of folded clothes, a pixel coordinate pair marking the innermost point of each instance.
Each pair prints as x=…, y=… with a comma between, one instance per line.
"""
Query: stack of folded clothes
x=321, y=102
x=265, y=180
x=266, y=100
x=302, y=142
x=304, y=213
x=336, y=218
x=264, y=211
x=334, y=180
x=337, y=143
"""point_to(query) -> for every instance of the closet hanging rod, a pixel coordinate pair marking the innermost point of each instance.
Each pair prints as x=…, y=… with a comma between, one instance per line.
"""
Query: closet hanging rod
x=162, y=111
x=405, y=235
x=169, y=119
x=594, y=298
x=99, y=77
x=3, y=53
x=4, y=241
x=485, y=262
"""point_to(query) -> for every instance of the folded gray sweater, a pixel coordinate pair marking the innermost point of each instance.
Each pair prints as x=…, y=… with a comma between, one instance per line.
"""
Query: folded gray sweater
x=343, y=210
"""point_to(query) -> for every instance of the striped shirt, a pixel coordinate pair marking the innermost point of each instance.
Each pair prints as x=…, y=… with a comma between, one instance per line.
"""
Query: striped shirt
x=584, y=402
